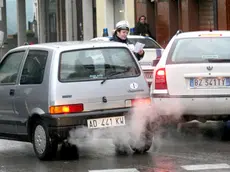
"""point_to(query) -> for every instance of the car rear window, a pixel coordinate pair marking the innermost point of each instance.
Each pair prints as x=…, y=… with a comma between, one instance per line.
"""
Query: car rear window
x=199, y=50
x=149, y=43
x=97, y=64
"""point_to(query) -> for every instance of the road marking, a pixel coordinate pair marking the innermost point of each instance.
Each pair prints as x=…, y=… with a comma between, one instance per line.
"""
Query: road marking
x=116, y=170
x=205, y=167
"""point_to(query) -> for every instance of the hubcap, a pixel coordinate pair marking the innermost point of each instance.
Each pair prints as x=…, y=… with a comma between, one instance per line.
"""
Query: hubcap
x=40, y=139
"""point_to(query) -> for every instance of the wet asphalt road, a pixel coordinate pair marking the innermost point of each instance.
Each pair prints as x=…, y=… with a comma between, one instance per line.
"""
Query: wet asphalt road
x=175, y=151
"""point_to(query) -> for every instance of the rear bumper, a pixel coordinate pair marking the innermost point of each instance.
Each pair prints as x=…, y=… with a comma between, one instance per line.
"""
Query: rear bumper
x=209, y=107
x=60, y=125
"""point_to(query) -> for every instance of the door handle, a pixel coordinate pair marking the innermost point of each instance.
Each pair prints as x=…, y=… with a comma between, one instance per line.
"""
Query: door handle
x=12, y=91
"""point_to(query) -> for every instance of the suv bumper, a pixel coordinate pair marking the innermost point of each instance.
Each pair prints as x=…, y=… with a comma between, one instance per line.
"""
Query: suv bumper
x=196, y=107
x=60, y=125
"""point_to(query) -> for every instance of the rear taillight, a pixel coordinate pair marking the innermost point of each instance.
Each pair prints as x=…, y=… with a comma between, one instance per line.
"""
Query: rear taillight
x=66, y=109
x=160, y=79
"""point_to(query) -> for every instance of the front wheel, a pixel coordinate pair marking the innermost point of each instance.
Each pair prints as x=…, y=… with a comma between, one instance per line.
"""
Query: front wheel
x=44, y=147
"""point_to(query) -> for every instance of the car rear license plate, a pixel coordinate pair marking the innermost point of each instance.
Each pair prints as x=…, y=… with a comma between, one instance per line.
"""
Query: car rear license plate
x=149, y=75
x=209, y=82
x=106, y=122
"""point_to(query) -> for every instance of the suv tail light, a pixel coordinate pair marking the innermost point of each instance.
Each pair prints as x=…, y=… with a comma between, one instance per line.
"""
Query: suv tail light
x=160, y=79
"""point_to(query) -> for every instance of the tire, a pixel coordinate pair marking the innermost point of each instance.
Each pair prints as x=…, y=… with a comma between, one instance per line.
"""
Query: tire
x=141, y=149
x=225, y=132
x=144, y=143
x=45, y=148
x=69, y=151
x=122, y=149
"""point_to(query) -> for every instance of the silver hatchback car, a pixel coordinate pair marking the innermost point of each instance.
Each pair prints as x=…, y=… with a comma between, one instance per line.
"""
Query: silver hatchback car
x=48, y=89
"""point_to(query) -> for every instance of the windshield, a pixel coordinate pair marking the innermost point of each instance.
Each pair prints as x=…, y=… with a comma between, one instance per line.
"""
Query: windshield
x=97, y=64
x=199, y=50
x=149, y=43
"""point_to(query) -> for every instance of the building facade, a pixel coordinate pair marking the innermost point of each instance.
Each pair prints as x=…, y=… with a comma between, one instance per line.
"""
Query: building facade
x=109, y=12
x=11, y=14
x=65, y=20
x=167, y=16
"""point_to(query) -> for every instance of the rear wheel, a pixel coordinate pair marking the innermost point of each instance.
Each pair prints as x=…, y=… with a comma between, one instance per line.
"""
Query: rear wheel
x=121, y=145
x=142, y=145
x=44, y=147
x=144, y=142
x=225, y=132
x=69, y=151
x=141, y=150
x=122, y=149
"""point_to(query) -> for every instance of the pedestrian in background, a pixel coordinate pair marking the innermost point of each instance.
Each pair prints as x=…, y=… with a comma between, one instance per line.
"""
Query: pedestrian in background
x=120, y=35
x=142, y=28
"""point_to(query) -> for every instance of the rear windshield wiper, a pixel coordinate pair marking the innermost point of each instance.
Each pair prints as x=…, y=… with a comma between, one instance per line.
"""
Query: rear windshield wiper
x=218, y=60
x=114, y=74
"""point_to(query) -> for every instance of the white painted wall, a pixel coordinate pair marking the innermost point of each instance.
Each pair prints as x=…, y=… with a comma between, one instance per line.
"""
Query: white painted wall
x=41, y=21
x=87, y=19
x=74, y=19
x=21, y=21
x=109, y=12
x=69, y=23
x=119, y=10
x=109, y=16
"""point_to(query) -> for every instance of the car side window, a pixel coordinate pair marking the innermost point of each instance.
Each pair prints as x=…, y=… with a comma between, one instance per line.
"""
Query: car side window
x=9, y=67
x=34, y=67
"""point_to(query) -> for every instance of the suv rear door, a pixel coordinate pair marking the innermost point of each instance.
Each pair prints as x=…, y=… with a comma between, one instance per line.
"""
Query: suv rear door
x=199, y=66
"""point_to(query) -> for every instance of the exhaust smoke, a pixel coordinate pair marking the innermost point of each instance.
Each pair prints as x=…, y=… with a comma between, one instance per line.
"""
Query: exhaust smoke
x=134, y=131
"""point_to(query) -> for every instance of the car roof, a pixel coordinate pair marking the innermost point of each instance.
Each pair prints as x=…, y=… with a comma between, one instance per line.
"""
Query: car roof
x=129, y=36
x=198, y=33
x=69, y=45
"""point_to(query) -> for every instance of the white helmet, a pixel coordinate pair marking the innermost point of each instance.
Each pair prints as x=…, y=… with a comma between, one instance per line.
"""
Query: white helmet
x=122, y=25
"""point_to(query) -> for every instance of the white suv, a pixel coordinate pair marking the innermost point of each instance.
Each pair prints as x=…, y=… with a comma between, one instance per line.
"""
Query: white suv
x=194, y=73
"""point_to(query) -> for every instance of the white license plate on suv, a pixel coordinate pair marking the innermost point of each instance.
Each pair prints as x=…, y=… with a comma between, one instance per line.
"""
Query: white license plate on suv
x=209, y=82
x=106, y=122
